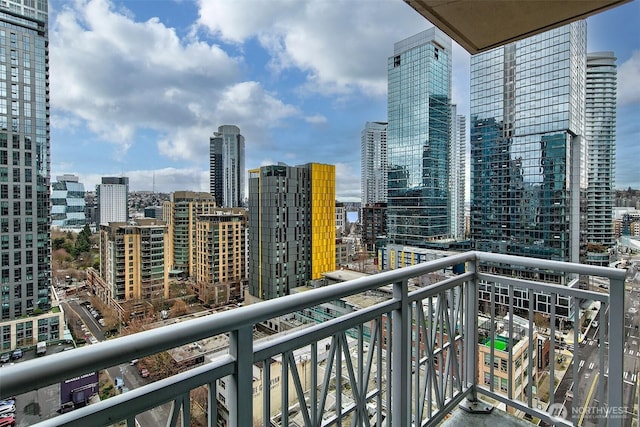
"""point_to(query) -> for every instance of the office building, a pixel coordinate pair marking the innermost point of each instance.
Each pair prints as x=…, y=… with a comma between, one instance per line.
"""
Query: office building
x=373, y=158
x=510, y=363
x=458, y=173
x=67, y=203
x=132, y=261
x=26, y=314
x=418, y=139
x=292, y=228
x=221, y=256
x=601, y=89
x=226, y=167
x=527, y=141
x=153, y=212
x=113, y=200
x=180, y=213
x=528, y=180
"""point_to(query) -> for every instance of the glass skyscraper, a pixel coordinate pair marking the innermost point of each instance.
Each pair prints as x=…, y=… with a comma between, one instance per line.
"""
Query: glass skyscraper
x=600, y=122
x=418, y=139
x=25, y=248
x=373, y=145
x=528, y=180
x=67, y=203
x=226, y=167
x=458, y=173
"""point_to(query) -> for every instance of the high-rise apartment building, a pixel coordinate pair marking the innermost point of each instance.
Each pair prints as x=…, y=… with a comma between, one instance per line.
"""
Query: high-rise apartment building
x=601, y=89
x=67, y=203
x=226, y=167
x=221, y=256
x=132, y=261
x=528, y=180
x=527, y=145
x=458, y=173
x=418, y=139
x=374, y=224
x=113, y=200
x=180, y=214
x=341, y=218
x=292, y=228
x=373, y=160
x=25, y=239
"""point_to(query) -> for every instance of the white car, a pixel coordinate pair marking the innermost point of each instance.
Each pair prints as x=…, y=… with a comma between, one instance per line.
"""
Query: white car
x=9, y=408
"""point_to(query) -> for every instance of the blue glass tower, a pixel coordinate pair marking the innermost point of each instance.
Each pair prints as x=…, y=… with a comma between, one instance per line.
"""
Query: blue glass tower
x=418, y=139
x=528, y=179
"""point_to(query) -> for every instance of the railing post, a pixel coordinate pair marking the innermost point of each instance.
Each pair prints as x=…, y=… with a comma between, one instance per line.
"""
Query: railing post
x=401, y=363
x=241, y=388
x=472, y=404
x=616, y=351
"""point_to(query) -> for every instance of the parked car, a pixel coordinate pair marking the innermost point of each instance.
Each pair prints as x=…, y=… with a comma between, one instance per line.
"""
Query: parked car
x=17, y=354
x=144, y=373
x=5, y=357
x=7, y=408
x=7, y=420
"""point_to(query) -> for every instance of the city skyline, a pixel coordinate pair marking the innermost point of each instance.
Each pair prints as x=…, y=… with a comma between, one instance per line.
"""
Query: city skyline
x=284, y=75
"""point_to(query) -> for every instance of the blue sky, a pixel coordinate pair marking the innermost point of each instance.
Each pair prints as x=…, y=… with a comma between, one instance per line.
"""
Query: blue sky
x=138, y=87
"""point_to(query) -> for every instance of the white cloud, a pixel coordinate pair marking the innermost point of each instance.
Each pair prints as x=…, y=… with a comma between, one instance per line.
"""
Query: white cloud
x=317, y=119
x=341, y=45
x=164, y=180
x=347, y=183
x=160, y=82
x=629, y=80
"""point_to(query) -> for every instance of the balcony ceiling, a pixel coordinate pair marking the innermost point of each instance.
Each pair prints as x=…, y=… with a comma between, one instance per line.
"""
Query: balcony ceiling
x=479, y=25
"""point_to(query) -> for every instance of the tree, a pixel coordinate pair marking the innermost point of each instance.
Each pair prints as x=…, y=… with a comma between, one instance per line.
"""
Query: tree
x=178, y=308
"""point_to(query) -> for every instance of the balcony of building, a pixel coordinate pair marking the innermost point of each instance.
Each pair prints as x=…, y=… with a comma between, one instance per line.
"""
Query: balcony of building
x=409, y=359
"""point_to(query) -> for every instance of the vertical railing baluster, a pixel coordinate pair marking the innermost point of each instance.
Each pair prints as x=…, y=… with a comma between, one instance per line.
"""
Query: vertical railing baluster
x=186, y=409
x=266, y=393
x=552, y=361
x=616, y=349
x=284, y=388
x=339, y=352
x=471, y=333
x=492, y=334
x=532, y=351
x=212, y=404
x=401, y=362
x=314, y=382
x=241, y=385
x=510, y=351
x=379, y=329
x=390, y=390
x=576, y=357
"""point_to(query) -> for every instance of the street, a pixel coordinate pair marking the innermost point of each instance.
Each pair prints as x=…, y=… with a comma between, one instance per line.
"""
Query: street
x=591, y=379
x=44, y=403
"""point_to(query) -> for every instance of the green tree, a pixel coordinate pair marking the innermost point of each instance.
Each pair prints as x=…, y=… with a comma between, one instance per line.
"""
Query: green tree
x=58, y=243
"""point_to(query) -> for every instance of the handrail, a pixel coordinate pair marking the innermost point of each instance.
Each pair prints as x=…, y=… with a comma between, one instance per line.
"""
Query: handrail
x=33, y=374
x=406, y=359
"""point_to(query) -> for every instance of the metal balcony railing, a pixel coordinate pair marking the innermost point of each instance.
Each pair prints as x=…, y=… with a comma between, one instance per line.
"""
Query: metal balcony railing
x=410, y=359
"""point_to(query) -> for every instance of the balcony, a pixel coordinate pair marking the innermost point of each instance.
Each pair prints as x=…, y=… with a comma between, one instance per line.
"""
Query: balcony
x=410, y=359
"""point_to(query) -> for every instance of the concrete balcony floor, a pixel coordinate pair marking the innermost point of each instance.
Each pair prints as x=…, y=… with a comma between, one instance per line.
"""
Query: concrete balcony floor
x=497, y=418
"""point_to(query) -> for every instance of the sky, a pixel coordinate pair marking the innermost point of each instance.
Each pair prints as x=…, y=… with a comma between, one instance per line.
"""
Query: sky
x=138, y=87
